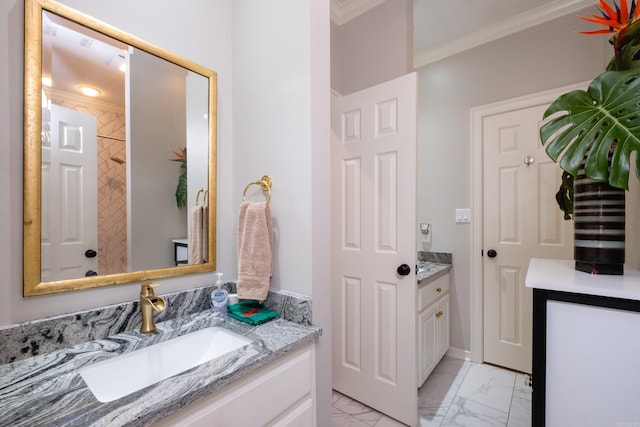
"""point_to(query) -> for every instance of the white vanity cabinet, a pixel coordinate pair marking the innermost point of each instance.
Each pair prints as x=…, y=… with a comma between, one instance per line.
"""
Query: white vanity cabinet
x=279, y=394
x=585, y=346
x=433, y=325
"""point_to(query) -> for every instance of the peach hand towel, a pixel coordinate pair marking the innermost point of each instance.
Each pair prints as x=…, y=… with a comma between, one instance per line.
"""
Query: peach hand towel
x=255, y=250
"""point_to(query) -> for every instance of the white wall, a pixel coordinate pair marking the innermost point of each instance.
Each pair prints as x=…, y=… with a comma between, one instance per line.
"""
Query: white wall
x=543, y=57
x=271, y=100
x=202, y=33
x=278, y=109
x=281, y=129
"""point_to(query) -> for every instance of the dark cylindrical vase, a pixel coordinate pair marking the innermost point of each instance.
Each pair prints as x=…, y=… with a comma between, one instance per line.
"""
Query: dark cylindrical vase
x=598, y=210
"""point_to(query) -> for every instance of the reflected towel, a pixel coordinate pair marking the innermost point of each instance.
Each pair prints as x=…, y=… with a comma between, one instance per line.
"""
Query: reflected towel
x=195, y=237
x=204, y=238
x=255, y=250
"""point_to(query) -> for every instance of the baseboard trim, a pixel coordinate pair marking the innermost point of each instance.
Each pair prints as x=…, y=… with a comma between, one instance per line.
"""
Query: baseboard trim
x=458, y=353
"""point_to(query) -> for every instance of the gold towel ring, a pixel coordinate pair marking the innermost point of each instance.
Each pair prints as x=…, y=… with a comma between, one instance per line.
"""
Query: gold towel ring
x=265, y=183
x=205, y=198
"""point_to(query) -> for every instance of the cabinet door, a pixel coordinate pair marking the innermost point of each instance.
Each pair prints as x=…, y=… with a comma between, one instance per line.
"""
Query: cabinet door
x=300, y=416
x=442, y=322
x=427, y=349
x=591, y=371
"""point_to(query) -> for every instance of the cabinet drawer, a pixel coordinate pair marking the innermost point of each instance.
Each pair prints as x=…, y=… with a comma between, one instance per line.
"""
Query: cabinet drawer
x=429, y=293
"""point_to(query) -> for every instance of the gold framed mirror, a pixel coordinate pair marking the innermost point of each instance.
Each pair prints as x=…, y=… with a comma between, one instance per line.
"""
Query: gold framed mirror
x=126, y=207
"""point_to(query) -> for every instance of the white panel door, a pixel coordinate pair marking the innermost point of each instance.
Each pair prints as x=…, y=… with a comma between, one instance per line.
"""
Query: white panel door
x=69, y=196
x=374, y=219
x=521, y=221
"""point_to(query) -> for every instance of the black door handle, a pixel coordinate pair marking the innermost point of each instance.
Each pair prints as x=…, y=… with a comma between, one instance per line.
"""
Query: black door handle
x=491, y=253
x=90, y=253
x=403, y=270
x=90, y=273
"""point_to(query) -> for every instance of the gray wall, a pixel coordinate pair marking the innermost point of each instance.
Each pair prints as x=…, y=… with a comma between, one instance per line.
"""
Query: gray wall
x=548, y=56
x=157, y=125
x=373, y=48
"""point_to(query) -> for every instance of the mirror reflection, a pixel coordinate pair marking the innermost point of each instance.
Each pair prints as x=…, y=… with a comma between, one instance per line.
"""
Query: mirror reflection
x=126, y=141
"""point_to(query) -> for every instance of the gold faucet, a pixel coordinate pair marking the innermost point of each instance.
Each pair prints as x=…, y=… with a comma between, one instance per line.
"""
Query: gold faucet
x=149, y=302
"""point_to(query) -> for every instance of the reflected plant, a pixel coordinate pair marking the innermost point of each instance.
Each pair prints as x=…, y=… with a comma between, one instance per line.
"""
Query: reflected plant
x=181, y=189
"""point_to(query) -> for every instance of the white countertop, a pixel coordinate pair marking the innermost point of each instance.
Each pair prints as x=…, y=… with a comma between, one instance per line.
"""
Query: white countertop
x=561, y=275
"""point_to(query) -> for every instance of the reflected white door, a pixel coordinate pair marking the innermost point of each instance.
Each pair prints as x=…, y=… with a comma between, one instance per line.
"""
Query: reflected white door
x=69, y=196
x=521, y=221
x=374, y=219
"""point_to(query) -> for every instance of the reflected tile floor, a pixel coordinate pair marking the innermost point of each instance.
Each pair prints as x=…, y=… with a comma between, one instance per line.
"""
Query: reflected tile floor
x=459, y=394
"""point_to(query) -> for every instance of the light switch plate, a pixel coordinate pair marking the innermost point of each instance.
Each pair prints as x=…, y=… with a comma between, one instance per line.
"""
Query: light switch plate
x=463, y=215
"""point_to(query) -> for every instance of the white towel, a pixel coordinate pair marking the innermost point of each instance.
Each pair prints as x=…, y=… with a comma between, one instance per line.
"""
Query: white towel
x=255, y=250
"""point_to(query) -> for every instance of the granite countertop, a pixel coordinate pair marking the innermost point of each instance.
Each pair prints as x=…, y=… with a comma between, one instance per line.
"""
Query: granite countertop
x=430, y=271
x=48, y=390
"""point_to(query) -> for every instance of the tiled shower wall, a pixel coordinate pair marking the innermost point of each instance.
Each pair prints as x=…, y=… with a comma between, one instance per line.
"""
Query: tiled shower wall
x=112, y=181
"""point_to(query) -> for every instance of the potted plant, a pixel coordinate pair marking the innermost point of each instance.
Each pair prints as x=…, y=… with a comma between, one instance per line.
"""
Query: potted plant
x=592, y=133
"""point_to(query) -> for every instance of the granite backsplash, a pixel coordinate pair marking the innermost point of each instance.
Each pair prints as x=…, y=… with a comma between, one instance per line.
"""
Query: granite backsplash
x=23, y=340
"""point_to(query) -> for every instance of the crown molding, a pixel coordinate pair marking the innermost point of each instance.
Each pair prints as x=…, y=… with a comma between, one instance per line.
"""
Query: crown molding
x=88, y=101
x=539, y=15
x=343, y=11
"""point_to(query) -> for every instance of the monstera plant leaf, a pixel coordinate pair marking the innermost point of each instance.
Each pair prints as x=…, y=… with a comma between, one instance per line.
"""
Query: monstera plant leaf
x=601, y=124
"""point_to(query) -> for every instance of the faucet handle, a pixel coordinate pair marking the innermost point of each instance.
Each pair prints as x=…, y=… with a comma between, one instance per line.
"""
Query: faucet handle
x=146, y=289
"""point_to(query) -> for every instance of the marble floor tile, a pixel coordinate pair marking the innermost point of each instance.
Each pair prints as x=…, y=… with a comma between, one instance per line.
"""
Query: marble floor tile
x=468, y=413
x=489, y=385
x=522, y=389
x=453, y=366
x=354, y=409
x=345, y=420
x=388, y=422
x=432, y=418
x=458, y=393
x=520, y=412
x=442, y=385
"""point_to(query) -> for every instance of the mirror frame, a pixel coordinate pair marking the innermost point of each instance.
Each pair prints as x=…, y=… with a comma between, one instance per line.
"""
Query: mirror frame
x=32, y=169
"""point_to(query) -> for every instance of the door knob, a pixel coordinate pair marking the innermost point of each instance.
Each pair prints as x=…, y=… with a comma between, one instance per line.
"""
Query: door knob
x=403, y=270
x=491, y=253
x=90, y=253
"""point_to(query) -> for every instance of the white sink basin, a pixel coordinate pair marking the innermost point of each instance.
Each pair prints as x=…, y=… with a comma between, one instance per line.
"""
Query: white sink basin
x=115, y=378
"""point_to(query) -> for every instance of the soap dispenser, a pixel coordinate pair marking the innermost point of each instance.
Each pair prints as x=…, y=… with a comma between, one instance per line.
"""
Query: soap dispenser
x=219, y=297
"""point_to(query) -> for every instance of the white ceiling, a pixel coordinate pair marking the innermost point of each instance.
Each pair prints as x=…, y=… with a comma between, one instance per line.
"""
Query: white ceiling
x=442, y=28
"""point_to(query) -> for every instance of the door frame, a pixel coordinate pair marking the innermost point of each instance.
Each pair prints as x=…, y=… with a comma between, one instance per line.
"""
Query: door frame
x=477, y=115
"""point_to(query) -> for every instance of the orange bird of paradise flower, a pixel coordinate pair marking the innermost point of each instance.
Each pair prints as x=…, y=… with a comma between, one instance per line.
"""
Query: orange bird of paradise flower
x=616, y=18
x=182, y=155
